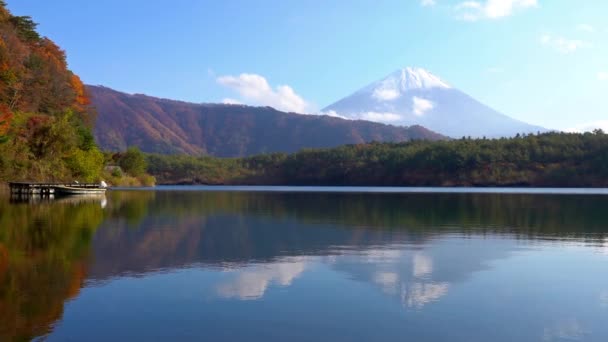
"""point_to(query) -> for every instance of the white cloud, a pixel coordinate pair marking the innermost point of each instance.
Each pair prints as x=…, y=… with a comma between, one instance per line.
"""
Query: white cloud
x=231, y=101
x=602, y=76
x=589, y=127
x=491, y=9
x=561, y=44
x=380, y=117
x=383, y=117
x=255, y=88
x=469, y=5
x=426, y=3
x=334, y=114
x=421, y=106
x=385, y=94
x=585, y=28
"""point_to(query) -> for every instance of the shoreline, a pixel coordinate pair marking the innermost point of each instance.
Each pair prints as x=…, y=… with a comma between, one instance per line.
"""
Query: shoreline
x=448, y=186
x=374, y=190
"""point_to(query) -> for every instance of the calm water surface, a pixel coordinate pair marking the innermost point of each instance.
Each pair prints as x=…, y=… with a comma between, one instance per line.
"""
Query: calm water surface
x=192, y=264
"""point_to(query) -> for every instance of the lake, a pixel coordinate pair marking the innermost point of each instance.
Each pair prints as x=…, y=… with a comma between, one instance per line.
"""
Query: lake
x=306, y=264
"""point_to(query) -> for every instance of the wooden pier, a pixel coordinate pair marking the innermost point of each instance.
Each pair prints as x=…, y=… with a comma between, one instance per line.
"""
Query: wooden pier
x=45, y=189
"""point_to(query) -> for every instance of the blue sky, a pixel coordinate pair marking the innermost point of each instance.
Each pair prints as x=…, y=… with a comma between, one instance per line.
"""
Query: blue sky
x=541, y=61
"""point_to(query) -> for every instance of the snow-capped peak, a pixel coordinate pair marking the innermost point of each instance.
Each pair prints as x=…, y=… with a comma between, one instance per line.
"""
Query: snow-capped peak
x=400, y=81
x=418, y=78
x=414, y=96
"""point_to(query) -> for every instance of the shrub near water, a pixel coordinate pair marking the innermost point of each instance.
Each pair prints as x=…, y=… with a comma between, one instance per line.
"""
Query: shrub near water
x=129, y=169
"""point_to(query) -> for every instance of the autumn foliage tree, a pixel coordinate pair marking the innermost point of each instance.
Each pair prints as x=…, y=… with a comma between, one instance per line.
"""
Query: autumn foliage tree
x=45, y=113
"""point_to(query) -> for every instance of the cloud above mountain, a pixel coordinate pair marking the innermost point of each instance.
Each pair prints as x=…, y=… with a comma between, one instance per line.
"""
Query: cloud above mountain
x=255, y=89
x=491, y=9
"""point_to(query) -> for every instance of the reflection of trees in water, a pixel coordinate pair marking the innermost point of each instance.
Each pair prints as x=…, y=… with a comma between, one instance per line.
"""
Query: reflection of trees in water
x=176, y=229
x=129, y=206
x=525, y=214
x=44, y=255
x=44, y=250
x=233, y=229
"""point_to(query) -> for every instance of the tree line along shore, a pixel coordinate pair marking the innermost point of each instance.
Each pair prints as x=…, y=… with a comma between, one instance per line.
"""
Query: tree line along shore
x=543, y=160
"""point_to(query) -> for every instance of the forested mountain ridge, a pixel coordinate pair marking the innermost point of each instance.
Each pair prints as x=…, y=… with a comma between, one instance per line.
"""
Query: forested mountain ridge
x=167, y=126
x=45, y=112
x=546, y=160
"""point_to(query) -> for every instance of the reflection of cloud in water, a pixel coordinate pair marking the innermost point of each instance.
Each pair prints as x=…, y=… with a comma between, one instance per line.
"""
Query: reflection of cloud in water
x=603, y=248
x=567, y=329
x=418, y=275
x=420, y=294
x=387, y=280
x=381, y=255
x=414, y=292
x=423, y=265
x=252, y=282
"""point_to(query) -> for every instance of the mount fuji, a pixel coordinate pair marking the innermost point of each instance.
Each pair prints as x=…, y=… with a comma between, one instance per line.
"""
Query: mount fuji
x=414, y=96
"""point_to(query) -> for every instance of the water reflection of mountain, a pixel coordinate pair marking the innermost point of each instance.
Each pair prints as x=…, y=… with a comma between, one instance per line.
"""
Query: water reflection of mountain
x=414, y=275
x=418, y=277
x=179, y=229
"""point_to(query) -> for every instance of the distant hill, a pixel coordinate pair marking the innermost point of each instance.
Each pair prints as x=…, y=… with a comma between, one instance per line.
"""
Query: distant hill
x=167, y=126
x=414, y=96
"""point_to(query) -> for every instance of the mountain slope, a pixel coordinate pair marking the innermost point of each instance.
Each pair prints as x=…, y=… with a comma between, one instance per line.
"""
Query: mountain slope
x=166, y=126
x=414, y=96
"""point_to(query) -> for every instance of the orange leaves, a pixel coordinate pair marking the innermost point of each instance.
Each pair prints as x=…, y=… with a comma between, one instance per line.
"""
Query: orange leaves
x=34, y=76
x=50, y=51
x=82, y=98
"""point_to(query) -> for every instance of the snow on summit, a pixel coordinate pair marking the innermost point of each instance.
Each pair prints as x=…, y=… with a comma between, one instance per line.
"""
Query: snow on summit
x=414, y=96
x=417, y=78
x=403, y=80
